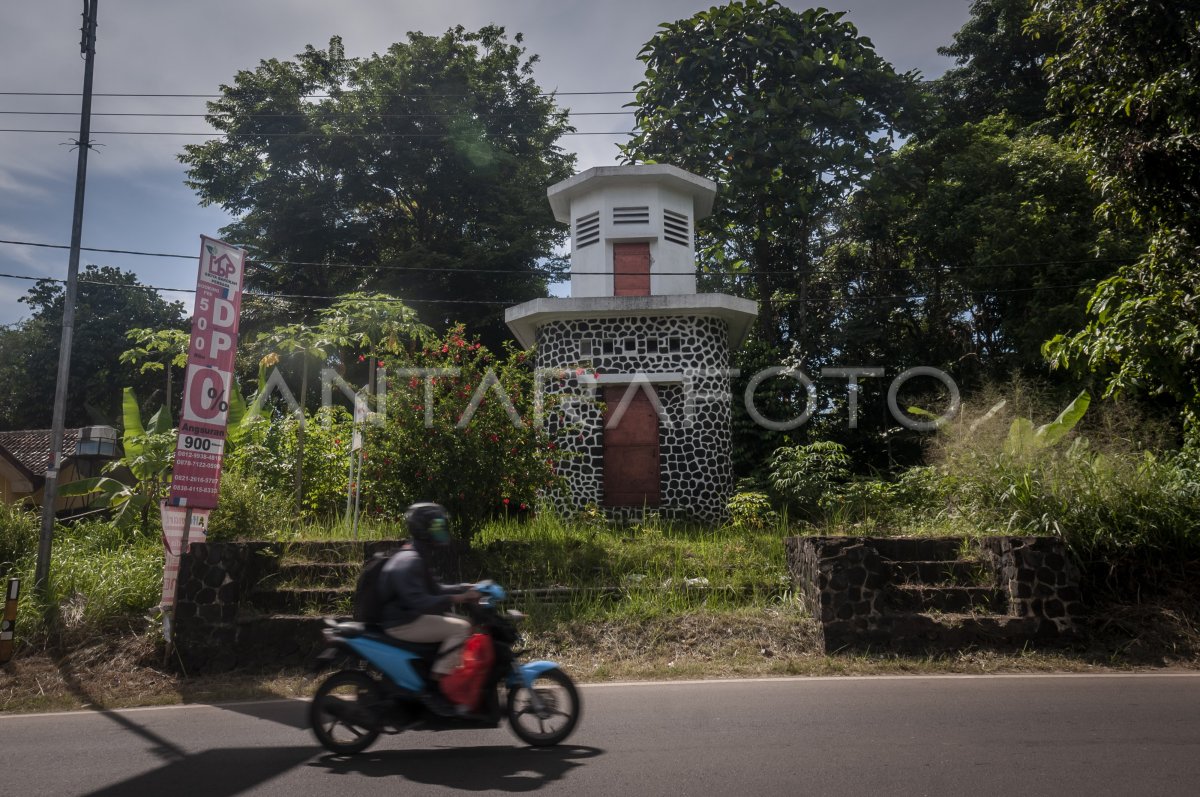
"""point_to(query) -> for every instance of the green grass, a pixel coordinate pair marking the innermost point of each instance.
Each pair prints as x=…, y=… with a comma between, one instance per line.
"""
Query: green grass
x=98, y=573
x=644, y=570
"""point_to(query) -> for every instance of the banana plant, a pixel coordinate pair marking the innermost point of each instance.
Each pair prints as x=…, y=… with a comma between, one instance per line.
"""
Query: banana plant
x=146, y=465
x=1023, y=437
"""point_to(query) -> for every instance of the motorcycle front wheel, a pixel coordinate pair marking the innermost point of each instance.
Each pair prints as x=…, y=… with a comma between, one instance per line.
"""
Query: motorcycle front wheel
x=342, y=712
x=544, y=713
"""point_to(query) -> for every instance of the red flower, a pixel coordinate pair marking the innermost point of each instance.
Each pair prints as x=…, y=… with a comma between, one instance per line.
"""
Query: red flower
x=506, y=502
x=380, y=363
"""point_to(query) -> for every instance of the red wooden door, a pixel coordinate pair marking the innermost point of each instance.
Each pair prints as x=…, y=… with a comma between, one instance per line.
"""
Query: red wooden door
x=631, y=462
x=631, y=269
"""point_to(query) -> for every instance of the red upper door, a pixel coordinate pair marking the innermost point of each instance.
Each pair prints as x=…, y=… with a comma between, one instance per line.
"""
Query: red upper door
x=631, y=269
x=631, y=457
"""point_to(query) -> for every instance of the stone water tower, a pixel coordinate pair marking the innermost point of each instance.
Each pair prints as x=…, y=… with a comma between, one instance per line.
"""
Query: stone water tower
x=636, y=359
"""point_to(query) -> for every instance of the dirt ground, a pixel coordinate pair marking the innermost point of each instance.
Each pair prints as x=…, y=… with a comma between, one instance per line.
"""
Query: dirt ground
x=123, y=665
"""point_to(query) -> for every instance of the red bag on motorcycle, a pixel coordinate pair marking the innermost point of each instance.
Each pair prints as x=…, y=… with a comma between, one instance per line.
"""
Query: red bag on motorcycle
x=464, y=686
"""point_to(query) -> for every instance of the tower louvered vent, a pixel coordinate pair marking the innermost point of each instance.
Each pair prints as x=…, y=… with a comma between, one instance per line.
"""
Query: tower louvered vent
x=675, y=227
x=587, y=229
x=639, y=215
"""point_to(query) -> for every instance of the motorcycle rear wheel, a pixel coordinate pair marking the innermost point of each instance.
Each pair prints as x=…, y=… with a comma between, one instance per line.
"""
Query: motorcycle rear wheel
x=558, y=715
x=342, y=712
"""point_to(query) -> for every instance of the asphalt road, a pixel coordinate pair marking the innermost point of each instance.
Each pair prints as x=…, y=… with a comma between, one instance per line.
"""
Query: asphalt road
x=960, y=735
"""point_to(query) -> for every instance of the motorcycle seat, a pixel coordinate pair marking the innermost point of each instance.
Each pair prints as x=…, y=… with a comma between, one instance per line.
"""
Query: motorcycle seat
x=351, y=629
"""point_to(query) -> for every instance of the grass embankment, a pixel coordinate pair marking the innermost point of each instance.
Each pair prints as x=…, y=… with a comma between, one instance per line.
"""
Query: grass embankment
x=656, y=600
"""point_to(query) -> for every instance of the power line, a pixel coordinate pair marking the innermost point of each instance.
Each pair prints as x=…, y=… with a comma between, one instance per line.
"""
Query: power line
x=554, y=274
x=223, y=114
x=393, y=300
x=304, y=96
x=315, y=134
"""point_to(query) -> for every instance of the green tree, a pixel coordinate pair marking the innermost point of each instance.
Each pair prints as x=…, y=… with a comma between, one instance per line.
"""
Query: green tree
x=158, y=350
x=980, y=242
x=787, y=112
x=310, y=347
x=1000, y=55
x=1127, y=82
x=110, y=302
x=426, y=164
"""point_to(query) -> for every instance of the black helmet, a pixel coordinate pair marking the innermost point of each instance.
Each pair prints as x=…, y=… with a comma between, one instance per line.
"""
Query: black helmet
x=428, y=522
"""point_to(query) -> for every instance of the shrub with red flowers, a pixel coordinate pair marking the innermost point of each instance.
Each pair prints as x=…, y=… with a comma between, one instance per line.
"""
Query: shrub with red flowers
x=465, y=438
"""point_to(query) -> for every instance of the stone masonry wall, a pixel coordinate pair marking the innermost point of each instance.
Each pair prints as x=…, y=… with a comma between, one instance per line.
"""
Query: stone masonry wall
x=214, y=627
x=694, y=437
x=850, y=586
x=1041, y=579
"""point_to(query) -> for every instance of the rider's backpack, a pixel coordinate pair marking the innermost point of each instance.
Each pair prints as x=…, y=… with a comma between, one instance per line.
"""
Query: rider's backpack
x=368, y=595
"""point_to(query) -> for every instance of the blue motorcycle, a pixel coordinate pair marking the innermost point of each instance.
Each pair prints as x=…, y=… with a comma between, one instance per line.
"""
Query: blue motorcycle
x=381, y=690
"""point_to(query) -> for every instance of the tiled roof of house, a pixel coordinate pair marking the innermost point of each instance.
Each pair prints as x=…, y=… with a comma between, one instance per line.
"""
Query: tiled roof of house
x=31, y=447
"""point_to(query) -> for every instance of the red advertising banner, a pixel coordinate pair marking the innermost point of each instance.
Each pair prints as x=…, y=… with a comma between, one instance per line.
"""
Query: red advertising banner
x=208, y=380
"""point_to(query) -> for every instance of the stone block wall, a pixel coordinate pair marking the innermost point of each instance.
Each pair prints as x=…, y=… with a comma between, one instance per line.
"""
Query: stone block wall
x=1041, y=579
x=216, y=628
x=696, y=471
x=861, y=592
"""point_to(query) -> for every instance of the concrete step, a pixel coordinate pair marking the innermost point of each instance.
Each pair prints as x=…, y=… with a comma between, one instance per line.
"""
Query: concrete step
x=304, y=601
x=315, y=574
x=919, y=549
x=961, y=572
x=959, y=631
x=278, y=639
x=335, y=551
x=922, y=598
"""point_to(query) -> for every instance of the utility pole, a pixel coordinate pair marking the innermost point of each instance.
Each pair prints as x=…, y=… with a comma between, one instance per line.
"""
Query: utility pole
x=87, y=46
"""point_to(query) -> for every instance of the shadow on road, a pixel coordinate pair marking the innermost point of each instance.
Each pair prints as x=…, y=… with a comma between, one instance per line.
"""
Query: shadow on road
x=494, y=768
x=212, y=773
x=292, y=713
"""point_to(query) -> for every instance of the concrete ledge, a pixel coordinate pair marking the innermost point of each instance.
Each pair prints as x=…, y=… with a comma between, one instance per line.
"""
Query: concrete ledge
x=739, y=314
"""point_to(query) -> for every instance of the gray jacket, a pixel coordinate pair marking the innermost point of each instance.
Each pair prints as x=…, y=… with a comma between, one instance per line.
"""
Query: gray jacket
x=410, y=589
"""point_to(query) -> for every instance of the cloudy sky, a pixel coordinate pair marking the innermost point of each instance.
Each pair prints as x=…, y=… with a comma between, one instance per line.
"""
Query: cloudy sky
x=136, y=198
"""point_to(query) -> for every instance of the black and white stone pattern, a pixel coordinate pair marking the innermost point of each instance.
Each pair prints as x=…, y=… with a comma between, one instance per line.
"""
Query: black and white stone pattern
x=694, y=423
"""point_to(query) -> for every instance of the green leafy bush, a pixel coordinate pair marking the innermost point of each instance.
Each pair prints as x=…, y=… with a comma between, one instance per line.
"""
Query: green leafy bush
x=141, y=478
x=805, y=476
x=752, y=510
x=489, y=467
x=19, y=526
x=1103, y=497
x=248, y=510
x=267, y=450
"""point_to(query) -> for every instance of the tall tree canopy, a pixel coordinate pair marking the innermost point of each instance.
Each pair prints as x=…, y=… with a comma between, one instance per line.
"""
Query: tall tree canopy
x=1128, y=81
x=110, y=301
x=426, y=165
x=787, y=111
x=969, y=249
x=1000, y=55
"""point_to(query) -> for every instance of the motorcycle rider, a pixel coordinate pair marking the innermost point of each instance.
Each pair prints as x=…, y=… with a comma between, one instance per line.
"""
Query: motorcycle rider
x=415, y=603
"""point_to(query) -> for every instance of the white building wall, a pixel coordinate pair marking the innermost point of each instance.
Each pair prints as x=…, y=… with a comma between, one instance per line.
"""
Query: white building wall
x=672, y=264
